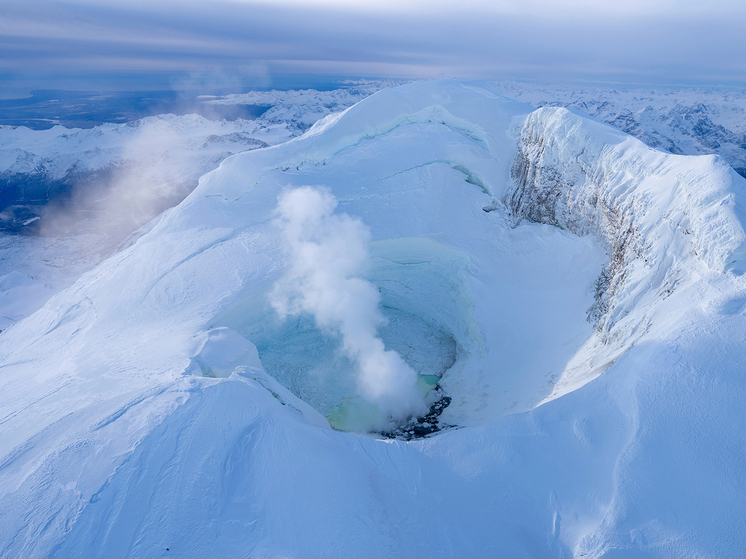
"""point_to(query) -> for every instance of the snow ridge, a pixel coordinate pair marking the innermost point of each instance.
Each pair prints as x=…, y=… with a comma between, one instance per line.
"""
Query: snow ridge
x=643, y=206
x=679, y=120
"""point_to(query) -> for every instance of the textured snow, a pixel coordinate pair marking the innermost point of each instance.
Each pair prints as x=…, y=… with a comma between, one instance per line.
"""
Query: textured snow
x=298, y=110
x=589, y=288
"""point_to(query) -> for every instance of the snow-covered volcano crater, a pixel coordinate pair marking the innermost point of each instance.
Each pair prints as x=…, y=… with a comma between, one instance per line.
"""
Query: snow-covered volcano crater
x=468, y=298
x=517, y=255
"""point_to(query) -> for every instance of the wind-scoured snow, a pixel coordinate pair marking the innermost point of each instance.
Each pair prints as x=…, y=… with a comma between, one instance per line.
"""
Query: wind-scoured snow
x=584, y=293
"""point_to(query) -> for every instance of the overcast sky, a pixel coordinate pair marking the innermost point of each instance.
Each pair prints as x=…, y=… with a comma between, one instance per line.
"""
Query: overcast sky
x=232, y=44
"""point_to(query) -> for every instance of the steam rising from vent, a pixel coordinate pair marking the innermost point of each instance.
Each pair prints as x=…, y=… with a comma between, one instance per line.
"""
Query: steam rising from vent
x=328, y=252
x=118, y=199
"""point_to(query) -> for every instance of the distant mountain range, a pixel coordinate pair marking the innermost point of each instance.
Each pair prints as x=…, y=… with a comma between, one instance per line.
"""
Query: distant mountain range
x=161, y=156
x=685, y=121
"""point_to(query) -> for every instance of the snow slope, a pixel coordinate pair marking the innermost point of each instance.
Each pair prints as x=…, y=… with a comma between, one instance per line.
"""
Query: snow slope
x=592, y=289
x=105, y=182
x=298, y=110
x=163, y=154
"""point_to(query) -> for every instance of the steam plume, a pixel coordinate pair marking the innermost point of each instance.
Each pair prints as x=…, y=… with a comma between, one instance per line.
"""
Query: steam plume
x=328, y=252
x=117, y=200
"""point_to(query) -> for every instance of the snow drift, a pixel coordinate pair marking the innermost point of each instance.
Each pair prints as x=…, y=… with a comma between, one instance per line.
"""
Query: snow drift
x=578, y=295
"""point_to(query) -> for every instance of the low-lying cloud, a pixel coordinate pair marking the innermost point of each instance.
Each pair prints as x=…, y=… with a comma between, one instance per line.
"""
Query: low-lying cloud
x=140, y=45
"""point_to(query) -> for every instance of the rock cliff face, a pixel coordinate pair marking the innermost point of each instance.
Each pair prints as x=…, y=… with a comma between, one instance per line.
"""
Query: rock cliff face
x=643, y=206
x=574, y=194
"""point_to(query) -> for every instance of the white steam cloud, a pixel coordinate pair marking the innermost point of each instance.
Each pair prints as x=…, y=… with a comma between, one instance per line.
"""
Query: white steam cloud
x=141, y=181
x=328, y=252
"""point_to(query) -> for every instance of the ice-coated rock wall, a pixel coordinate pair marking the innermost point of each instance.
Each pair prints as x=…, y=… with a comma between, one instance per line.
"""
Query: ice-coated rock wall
x=591, y=180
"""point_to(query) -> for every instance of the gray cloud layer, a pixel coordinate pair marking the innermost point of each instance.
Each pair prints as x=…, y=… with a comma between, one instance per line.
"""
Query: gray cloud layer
x=79, y=45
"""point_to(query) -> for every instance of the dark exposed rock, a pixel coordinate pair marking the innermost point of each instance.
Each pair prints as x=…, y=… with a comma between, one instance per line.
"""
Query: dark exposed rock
x=575, y=198
x=420, y=427
x=246, y=141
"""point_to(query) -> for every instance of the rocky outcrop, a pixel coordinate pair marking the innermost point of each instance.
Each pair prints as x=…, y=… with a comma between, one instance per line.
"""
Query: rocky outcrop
x=575, y=195
x=588, y=179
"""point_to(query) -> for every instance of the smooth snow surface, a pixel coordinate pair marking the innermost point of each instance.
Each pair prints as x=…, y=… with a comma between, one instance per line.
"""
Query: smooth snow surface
x=581, y=295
